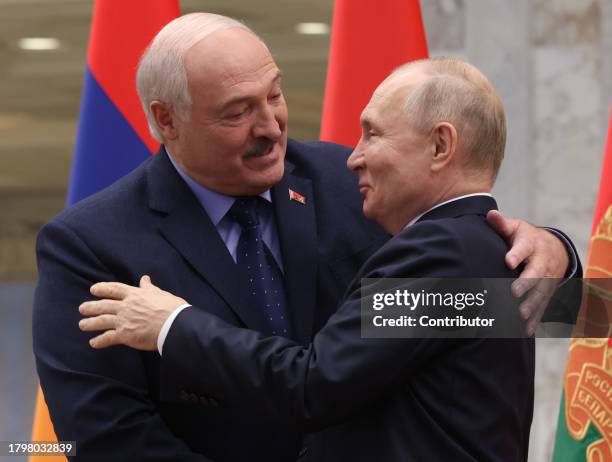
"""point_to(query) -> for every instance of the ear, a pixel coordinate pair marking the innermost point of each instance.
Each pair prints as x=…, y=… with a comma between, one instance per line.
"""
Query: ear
x=165, y=119
x=445, y=142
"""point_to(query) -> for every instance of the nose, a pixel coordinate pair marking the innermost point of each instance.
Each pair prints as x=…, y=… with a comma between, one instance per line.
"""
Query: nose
x=267, y=124
x=356, y=159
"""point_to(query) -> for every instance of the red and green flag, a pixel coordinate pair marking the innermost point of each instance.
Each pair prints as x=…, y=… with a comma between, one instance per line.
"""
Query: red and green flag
x=584, y=429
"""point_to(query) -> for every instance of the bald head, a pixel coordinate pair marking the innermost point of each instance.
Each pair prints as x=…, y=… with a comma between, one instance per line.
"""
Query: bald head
x=434, y=130
x=456, y=92
x=161, y=72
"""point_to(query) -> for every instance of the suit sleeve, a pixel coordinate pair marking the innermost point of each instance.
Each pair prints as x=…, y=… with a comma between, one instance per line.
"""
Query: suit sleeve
x=329, y=380
x=99, y=399
x=565, y=303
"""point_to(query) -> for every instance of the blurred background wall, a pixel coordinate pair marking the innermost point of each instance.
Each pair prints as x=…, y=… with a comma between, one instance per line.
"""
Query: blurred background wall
x=546, y=57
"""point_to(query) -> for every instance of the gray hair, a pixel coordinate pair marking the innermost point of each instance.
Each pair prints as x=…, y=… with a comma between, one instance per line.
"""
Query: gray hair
x=161, y=72
x=458, y=93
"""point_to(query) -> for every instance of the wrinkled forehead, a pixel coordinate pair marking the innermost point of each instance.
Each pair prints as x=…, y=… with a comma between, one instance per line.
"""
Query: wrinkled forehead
x=229, y=56
x=226, y=46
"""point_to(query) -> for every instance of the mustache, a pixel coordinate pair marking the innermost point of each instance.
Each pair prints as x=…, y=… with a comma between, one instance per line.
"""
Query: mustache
x=261, y=146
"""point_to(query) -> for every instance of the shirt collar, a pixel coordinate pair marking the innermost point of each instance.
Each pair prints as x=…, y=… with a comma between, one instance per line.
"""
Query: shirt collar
x=216, y=204
x=415, y=219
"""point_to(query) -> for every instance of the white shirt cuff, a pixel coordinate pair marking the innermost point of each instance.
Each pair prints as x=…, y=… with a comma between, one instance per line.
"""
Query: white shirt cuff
x=570, y=252
x=163, y=333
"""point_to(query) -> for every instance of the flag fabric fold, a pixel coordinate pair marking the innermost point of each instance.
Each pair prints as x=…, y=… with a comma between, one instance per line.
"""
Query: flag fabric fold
x=112, y=135
x=584, y=428
x=368, y=41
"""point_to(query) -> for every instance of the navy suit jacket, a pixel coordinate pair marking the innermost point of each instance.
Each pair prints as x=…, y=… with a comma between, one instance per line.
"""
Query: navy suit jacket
x=400, y=399
x=151, y=223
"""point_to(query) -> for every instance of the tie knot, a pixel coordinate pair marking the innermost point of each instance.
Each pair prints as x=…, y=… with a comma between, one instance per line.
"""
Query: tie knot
x=246, y=211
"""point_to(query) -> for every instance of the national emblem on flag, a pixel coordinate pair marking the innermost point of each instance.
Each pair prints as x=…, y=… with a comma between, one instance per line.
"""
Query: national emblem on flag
x=584, y=429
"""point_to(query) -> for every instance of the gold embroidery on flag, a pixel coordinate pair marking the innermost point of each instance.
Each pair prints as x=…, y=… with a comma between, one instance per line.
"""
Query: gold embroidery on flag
x=588, y=377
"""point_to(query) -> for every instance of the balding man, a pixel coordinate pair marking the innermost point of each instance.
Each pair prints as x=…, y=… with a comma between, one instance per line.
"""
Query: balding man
x=433, y=138
x=212, y=93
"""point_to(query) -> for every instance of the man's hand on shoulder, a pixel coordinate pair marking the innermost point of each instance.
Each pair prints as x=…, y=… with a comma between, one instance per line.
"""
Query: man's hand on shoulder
x=546, y=261
x=129, y=315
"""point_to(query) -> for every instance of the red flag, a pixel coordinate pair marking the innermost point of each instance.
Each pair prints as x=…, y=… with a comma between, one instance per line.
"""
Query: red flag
x=111, y=122
x=369, y=39
x=604, y=200
x=584, y=430
x=120, y=31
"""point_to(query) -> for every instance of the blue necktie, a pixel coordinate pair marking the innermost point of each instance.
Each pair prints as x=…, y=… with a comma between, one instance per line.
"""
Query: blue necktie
x=266, y=287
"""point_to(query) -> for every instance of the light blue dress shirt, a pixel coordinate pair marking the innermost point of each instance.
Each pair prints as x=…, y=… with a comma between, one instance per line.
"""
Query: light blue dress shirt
x=216, y=206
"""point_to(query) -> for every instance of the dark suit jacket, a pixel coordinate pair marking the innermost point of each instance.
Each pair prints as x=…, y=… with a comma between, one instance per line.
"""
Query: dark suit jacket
x=150, y=222
x=402, y=399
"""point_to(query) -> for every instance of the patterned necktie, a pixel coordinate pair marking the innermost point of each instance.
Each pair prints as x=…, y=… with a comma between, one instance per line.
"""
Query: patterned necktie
x=266, y=288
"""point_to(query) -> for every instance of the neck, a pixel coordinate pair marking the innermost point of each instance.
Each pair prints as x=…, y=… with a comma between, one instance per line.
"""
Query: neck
x=437, y=193
x=464, y=190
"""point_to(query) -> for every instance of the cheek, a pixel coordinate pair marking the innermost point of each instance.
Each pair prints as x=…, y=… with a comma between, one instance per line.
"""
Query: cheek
x=384, y=187
x=221, y=157
x=282, y=114
x=233, y=138
x=379, y=173
x=228, y=146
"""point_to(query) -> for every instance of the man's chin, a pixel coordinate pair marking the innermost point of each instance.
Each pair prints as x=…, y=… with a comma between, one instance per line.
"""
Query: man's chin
x=263, y=181
x=274, y=174
x=367, y=210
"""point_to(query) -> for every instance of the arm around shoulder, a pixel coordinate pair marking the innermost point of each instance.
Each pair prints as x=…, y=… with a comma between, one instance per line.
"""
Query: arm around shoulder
x=317, y=385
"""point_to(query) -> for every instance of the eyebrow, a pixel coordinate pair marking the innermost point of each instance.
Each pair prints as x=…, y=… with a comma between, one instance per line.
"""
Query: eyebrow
x=240, y=99
x=365, y=122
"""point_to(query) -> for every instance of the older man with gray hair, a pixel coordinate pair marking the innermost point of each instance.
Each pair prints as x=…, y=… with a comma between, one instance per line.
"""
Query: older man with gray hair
x=433, y=139
x=263, y=232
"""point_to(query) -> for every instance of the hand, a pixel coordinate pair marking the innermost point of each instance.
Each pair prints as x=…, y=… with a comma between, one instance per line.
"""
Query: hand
x=546, y=264
x=131, y=316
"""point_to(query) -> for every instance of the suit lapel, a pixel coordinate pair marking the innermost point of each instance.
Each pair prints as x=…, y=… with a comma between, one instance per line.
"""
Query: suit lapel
x=187, y=227
x=296, y=224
